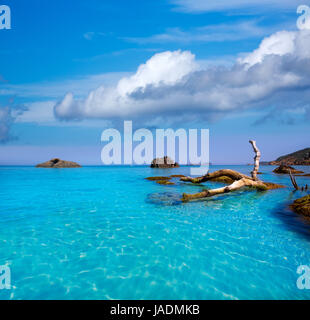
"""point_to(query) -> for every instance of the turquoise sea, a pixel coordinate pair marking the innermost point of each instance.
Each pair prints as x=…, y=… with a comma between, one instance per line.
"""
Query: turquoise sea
x=107, y=233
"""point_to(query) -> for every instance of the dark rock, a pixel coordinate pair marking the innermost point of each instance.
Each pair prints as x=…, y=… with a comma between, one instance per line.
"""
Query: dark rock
x=158, y=178
x=58, y=163
x=302, y=206
x=285, y=169
x=164, y=163
x=165, y=182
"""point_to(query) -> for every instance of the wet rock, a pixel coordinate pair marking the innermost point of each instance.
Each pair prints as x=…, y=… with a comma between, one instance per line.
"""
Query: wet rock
x=158, y=178
x=285, y=169
x=164, y=199
x=302, y=206
x=165, y=182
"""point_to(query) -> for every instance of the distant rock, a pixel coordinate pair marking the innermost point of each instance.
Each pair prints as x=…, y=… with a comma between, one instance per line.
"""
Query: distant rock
x=164, y=163
x=58, y=163
x=298, y=158
x=284, y=169
x=302, y=206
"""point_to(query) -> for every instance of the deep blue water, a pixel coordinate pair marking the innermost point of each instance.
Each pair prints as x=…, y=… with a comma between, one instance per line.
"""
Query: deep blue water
x=107, y=233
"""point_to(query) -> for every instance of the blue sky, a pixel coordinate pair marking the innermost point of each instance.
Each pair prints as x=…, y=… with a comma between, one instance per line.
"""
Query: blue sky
x=78, y=46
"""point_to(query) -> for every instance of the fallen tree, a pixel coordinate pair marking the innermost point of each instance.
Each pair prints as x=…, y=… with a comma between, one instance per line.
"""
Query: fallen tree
x=239, y=180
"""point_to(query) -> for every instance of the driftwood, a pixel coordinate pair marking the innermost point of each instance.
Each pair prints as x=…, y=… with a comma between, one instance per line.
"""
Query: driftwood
x=234, y=175
x=293, y=180
x=240, y=180
x=238, y=184
x=256, y=160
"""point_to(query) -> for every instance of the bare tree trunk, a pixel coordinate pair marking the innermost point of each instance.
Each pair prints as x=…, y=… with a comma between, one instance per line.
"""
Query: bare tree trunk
x=234, y=175
x=244, y=182
x=240, y=180
x=293, y=180
x=256, y=160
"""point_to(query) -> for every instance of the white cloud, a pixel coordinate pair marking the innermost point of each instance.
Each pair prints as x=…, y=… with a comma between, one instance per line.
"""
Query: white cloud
x=196, y=6
x=171, y=83
x=280, y=43
x=165, y=68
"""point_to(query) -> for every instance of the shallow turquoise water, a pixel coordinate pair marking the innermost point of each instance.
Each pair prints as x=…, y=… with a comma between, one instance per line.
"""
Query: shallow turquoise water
x=107, y=233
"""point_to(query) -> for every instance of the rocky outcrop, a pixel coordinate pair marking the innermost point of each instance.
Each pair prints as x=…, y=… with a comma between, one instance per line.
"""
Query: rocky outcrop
x=161, y=180
x=158, y=178
x=298, y=158
x=285, y=169
x=164, y=163
x=302, y=206
x=58, y=163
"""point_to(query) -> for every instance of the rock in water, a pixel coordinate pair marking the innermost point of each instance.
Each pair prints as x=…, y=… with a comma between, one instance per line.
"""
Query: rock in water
x=284, y=169
x=302, y=206
x=58, y=163
x=164, y=162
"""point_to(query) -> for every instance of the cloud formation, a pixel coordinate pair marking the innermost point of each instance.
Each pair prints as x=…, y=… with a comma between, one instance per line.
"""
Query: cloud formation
x=276, y=75
x=8, y=116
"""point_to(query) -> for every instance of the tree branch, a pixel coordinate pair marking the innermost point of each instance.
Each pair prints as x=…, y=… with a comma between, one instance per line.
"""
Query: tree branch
x=256, y=160
x=234, y=175
x=244, y=182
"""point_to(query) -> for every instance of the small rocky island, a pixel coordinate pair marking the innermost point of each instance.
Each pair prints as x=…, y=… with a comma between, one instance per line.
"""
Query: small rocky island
x=164, y=163
x=58, y=163
x=285, y=169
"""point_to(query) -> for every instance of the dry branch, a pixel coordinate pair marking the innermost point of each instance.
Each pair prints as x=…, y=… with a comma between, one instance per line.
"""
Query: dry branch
x=234, y=175
x=256, y=160
x=293, y=180
x=240, y=180
x=244, y=182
